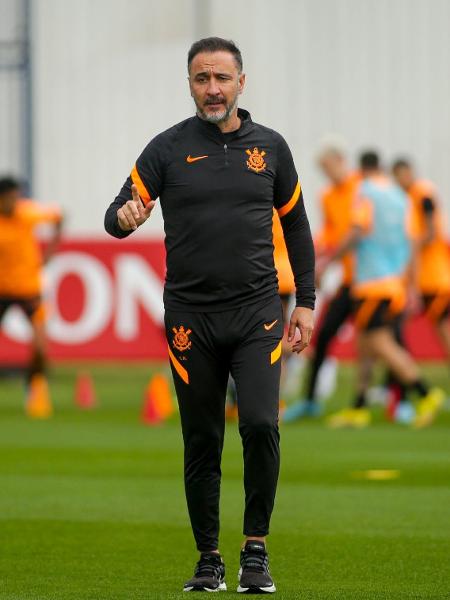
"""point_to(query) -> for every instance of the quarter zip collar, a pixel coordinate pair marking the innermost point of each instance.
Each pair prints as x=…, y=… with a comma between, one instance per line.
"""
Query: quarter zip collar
x=213, y=129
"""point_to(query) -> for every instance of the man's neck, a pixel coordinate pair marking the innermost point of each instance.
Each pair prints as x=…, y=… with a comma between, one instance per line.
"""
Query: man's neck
x=233, y=122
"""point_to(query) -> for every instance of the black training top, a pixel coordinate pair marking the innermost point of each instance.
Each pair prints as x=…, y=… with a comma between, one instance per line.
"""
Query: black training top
x=217, y=194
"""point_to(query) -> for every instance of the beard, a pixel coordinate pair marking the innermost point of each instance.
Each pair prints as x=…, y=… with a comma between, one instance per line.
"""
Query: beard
x=218, y=116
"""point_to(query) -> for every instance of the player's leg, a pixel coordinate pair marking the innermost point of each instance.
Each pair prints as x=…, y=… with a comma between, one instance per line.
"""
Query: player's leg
x=437, y=311
x=38, y=403
x=338, y=311
x=396, y=392
x=200, y=375
x=443, y=330
x=38, y=359
x=256, y=366
x=402, y=364
x=358, y=415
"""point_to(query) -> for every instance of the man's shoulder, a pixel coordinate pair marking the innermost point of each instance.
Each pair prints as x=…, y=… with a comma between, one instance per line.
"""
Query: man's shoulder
x=274, y=136
x=170, y=135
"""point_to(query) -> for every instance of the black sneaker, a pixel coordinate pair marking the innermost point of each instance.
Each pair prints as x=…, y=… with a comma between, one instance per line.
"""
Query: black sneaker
x=209, y=574
x=254, y=575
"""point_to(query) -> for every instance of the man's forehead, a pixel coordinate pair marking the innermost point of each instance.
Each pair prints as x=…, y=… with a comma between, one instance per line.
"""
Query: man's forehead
x=220, y=61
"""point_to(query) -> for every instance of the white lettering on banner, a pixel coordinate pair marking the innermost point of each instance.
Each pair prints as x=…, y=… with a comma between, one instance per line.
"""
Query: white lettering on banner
x=97, y=308
x=137, y=284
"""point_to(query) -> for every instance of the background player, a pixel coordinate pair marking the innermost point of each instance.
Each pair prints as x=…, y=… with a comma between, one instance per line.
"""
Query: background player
x=381, y=235
x=336, y=202
x=21, y=263
x=433, y=258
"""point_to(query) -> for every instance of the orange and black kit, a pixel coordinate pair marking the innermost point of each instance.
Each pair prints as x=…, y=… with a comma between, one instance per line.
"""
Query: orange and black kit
x=223, y=313
x=217, y=194
x=204, y=349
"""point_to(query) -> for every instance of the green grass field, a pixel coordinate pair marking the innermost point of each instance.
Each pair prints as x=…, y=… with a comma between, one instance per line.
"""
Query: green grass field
x=92, y=504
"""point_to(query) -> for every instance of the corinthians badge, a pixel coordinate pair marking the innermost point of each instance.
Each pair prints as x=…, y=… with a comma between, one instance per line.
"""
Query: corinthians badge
x=255, y=160
x=181, y=339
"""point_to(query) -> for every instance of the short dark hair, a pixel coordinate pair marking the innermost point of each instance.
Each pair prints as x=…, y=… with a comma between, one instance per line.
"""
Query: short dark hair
x=8, y=184
x=369, y=160
x=215, y=44
x=401, y=163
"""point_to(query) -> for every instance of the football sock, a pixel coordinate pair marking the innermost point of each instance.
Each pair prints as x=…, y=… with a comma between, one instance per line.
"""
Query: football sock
x=360, y=400
x=420, y=387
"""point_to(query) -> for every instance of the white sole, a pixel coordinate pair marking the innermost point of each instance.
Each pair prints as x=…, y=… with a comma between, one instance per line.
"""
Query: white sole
x=222, y=588
x=260, y=590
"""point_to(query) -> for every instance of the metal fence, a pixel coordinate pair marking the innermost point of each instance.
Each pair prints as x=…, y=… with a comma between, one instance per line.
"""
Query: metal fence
x=15, y=91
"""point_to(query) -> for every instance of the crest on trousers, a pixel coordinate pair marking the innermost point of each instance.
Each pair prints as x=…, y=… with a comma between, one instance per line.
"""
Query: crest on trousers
x=255, y=161
x=181, y=339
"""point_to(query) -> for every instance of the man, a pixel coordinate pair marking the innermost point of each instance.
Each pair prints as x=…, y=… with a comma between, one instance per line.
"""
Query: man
x=433, y=258
x=336, y=203
x=21, y=279
x=218, y=176
x=381, y=241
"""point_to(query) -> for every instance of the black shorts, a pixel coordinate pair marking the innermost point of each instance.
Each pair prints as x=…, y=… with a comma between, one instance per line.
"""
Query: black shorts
x=437, y=306
x=374, y=313
x=31, y=306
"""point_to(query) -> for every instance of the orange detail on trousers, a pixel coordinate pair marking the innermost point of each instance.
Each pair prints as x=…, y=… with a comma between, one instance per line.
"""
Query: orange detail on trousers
x=182, y=372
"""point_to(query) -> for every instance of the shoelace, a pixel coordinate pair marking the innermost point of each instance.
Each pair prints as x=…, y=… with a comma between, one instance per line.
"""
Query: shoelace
x=255, y=562
x=208, y=566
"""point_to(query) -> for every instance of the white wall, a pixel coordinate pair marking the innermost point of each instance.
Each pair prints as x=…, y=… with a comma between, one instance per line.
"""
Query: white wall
x=110, y=74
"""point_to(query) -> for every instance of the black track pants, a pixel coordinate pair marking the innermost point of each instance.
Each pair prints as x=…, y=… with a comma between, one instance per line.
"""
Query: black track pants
x=338, y=311
x=204, y=348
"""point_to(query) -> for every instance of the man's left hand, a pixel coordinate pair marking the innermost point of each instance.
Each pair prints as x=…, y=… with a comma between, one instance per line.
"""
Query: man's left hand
x=302, y=319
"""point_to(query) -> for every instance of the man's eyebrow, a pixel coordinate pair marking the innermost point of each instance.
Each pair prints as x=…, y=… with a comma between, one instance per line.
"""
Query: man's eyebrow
x=217, y=74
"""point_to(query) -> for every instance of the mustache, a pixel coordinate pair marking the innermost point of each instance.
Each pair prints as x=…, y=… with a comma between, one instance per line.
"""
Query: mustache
x=215, y=100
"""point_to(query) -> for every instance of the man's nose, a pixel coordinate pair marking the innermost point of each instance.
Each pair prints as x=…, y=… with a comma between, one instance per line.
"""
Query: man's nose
x=213, y=87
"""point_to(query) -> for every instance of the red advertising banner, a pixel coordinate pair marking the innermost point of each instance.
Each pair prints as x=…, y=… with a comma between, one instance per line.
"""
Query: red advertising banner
x=104, y=302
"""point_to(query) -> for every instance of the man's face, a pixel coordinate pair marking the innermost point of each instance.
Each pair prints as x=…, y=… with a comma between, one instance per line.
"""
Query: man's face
x=404, y=177
x=334, y=167
x=8, y=201
x=215, y=84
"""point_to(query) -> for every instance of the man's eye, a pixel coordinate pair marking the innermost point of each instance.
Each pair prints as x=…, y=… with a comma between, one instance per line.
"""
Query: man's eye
x=201, y=79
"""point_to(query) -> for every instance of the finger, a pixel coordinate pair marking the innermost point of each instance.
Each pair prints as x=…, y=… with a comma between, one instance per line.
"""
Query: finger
x=149, y=207
x=133, y=208
x=135, y=193
x=291, y=331
x=299, y=347
x=123, y=221
x=129, y=217
x=306, y=334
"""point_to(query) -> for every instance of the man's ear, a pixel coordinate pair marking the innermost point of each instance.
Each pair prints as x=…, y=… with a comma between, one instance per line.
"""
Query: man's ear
x=241, y=83
x=190, y=87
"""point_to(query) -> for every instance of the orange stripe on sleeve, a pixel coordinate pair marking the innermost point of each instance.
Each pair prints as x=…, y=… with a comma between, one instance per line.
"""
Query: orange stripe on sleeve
x=143, y=192
x=284, y=210
x=178, y=367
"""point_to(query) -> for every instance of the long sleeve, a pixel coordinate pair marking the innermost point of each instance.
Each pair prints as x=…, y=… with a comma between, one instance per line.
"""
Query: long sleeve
x=147, y=174
x=288, y=200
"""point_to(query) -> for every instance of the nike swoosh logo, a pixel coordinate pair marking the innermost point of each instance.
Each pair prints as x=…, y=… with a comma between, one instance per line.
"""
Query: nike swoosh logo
x=191, y=159
x=268, y=326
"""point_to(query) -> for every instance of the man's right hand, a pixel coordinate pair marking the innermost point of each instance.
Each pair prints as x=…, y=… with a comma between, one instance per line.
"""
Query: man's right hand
x=132, y=214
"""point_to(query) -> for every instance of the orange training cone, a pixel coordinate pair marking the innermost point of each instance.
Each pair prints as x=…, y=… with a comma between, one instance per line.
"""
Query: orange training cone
x=38, y=405
x=84, y=391
x=158, y=404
